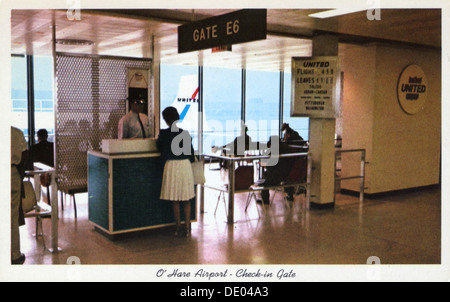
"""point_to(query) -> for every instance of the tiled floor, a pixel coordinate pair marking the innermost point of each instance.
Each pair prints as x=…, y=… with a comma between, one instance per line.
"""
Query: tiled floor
x=400, y=229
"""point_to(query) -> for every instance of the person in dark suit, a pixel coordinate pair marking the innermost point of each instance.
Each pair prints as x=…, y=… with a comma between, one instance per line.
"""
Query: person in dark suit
x=238, y=146
x=177, y=152
x=292, y=137
x=42, y=152
x=275, y=174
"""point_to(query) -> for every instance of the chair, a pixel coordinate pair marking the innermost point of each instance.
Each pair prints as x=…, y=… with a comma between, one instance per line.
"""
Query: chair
x=252, y=196
x=297, y=177
x=45, y=181
x=71, y=192
x=243, y=180
x=38, y=210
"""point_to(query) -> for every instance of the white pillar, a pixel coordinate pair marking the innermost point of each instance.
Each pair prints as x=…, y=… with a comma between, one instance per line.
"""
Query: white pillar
x=321, y=139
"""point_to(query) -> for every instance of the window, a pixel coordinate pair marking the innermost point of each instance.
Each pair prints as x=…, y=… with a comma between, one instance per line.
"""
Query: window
x=299, y=124
x=222, y=106
x=222, y=98
x=43, y=95
x=19, y=116
x=262, y=104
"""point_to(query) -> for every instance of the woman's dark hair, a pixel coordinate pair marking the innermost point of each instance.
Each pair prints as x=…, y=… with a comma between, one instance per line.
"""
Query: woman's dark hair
x=170, y=115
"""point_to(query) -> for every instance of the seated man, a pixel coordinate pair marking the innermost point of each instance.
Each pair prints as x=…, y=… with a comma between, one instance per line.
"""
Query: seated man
x=275, y=174
x=237, y=147
x=42, y=152
x=291, y=136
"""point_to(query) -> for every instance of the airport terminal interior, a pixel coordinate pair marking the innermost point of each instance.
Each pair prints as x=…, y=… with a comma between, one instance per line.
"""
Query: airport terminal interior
x=390, y=210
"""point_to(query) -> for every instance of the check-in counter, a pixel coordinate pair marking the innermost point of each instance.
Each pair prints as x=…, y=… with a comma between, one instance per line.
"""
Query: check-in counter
x=124, y=184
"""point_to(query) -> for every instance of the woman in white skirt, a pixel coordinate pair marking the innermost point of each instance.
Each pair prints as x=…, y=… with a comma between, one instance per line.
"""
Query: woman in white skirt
x=175, y=145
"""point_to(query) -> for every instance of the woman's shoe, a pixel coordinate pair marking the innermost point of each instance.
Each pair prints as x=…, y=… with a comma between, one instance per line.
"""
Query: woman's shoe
x=187, y=230
x=179, y=231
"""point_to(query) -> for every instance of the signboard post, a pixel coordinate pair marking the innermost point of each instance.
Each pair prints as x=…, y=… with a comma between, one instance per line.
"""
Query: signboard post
x=315, y=87
x=237, y=27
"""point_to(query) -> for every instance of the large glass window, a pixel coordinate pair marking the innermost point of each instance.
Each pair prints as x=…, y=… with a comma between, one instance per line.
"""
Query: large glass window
x=19, y=114
x=179, y=89
x=222, y=106
x=43, y=95
x=222, y=96
x=262, y=104
x=299, y=124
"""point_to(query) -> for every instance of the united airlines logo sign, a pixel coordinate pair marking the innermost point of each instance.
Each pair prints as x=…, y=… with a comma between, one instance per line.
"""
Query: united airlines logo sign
x=192, y=99
x=412, y=89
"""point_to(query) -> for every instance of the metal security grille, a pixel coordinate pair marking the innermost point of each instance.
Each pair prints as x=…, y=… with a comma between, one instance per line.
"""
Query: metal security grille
x=91, y=98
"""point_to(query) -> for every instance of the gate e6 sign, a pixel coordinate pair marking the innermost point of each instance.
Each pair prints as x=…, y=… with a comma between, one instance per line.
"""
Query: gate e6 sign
x=237, y=27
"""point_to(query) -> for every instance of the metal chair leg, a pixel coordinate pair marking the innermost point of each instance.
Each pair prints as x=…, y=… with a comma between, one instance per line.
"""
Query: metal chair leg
x=251, y=196
x=247, y=203
x=217, y=204
x=42, y=232
x=74, y=205
x=221, y=194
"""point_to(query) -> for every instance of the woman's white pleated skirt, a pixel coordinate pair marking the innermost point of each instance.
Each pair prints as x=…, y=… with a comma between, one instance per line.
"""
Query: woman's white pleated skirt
x=177, y=181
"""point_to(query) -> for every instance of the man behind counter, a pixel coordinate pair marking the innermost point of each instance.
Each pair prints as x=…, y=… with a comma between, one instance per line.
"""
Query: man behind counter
x=134, y=124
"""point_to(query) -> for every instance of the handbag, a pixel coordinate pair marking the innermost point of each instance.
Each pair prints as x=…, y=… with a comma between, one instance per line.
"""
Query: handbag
x=198, y=171
x=29, y=201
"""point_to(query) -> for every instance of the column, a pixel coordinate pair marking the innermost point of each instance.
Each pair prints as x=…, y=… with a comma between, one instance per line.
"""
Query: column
x=321, y=139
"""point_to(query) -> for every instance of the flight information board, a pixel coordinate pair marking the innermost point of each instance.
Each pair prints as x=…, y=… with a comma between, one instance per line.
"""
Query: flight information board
x=315, y=87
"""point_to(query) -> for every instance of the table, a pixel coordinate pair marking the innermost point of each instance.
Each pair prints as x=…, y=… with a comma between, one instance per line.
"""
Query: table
x=39, y=169
x=231, y=160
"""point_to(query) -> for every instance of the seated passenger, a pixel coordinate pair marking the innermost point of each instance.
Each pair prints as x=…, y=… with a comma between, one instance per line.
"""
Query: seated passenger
x=237, y=147
x=291, y=136
x=275, y=174
x=42, y=151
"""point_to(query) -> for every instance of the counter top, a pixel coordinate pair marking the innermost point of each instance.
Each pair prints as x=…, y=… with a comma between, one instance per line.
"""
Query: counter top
x=132, y=145
x=124, y=155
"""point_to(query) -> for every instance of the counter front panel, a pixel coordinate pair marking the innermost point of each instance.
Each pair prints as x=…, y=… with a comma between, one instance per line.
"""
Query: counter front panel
x=98, y=191
x=124, y=193
x=136, y=190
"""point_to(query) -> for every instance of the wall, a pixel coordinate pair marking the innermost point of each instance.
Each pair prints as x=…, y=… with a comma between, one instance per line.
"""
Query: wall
x=359, y=69
x=403, y=150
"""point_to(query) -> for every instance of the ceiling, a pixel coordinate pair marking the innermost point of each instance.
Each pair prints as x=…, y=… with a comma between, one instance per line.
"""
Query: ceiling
x=139, y=33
